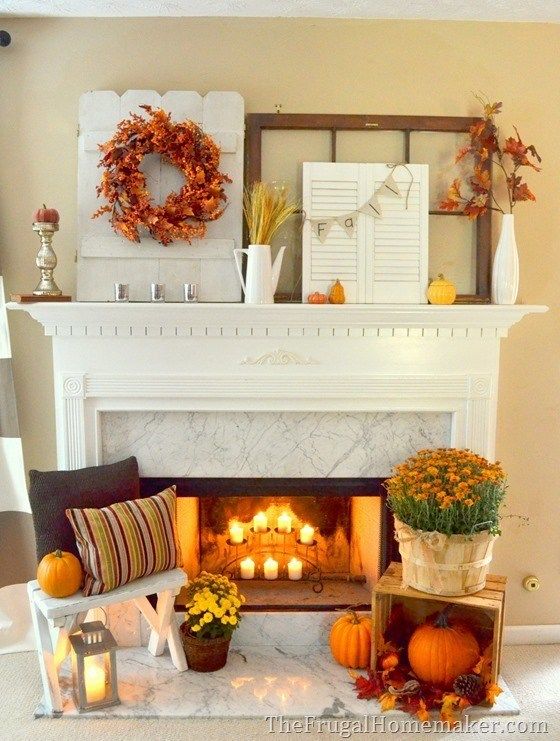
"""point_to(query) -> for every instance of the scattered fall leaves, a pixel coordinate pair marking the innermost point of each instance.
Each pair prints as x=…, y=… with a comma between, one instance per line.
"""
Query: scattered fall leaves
x=394, y=685
x=485, y=149
x=184, y=213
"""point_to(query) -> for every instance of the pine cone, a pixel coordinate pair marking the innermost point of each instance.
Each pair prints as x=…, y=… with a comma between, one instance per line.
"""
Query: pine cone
x=469, y=686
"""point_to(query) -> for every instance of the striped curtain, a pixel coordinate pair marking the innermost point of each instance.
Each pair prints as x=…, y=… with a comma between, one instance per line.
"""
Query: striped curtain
x=13, y=491
x=16, y=563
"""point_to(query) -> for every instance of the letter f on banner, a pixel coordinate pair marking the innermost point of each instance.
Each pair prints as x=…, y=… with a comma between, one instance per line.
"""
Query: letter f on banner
x=321, y=228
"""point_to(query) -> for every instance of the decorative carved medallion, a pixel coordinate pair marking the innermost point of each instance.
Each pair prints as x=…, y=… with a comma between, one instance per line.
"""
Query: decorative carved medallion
x=279, y=357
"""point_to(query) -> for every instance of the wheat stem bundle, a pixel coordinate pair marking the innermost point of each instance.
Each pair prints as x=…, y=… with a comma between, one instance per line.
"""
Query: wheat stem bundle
x=266, y=208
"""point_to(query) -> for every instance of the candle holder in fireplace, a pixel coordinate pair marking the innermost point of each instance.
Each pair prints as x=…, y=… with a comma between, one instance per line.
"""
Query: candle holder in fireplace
x=265, y=545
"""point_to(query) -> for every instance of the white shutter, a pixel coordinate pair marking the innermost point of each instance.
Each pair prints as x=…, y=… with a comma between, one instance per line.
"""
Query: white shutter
x=386, y=261
x=105, y=257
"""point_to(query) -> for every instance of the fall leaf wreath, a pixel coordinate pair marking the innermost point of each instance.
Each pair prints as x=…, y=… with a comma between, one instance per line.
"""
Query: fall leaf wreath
x=184, y=213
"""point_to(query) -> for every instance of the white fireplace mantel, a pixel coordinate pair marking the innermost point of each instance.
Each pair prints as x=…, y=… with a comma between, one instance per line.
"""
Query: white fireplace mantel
x=278, y=320
x=232, y=357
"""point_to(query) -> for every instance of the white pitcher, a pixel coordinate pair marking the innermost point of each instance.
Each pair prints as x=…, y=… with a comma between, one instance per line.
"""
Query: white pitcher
x=262, y=276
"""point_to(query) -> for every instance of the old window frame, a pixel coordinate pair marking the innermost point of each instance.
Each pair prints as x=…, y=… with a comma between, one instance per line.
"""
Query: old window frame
x=256, y=123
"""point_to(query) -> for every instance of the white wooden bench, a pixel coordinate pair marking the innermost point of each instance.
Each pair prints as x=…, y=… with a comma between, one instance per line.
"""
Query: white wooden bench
x=66, y=614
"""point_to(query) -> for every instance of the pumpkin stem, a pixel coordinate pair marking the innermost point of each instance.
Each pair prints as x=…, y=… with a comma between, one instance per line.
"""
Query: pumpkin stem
x=44, y=205
x=58, y=553
x=354, y=615
x=440, y=276
x=442, y=619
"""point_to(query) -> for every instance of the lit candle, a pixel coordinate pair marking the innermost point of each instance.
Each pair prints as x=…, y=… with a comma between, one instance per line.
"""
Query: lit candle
x=270, y=567
x=236, y=533
x=306, y=535
x=94, y=676
x=260, y=523
x=247, y=567
x=295, y=569
x=284, y=523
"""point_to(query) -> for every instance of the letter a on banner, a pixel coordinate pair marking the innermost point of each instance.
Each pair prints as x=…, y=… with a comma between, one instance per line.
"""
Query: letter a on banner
x=372, y=207
x=348, y=222
x=321, y=228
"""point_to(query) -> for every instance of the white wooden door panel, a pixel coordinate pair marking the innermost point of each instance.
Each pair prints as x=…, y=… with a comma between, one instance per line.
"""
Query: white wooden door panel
x=105, y=257
x=385, y=260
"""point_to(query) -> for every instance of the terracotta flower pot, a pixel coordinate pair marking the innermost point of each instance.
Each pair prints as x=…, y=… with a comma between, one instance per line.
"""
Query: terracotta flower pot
x=204, y=654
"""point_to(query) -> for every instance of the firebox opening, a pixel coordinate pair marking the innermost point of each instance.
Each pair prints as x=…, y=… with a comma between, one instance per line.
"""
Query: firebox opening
x=290, y=544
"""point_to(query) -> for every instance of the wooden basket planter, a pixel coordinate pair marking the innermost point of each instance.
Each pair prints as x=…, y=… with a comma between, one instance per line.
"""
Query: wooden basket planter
x=204, y=654
x=484, y=611
x=449, y=565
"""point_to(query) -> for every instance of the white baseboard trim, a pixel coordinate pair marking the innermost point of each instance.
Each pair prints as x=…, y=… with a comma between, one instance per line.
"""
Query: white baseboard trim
x=515, y=635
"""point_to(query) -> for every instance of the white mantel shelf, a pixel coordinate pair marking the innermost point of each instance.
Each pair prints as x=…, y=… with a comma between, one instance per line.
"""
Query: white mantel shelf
x=79, y=319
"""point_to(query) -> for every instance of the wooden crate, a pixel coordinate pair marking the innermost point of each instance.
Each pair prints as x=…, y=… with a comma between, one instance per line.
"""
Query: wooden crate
x=484, y=610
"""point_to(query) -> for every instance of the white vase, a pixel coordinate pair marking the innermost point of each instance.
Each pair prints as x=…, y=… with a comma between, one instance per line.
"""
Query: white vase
x=505, y=268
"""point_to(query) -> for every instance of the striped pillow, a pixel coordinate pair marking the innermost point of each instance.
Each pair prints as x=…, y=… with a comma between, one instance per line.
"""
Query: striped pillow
x=126, y=540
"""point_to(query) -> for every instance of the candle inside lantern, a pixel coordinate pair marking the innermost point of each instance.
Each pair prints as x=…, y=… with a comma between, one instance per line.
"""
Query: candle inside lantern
x=236, y=533
x=94, y=676
x=306, y=535
x=284, y=523
x=260, y=523
x=270, y=568
x=247, y=568
x=295, y=569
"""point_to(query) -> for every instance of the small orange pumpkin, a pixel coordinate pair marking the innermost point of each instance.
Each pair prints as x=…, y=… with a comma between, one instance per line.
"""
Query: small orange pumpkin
x=337, y=295
x=317, y=298
x=46, y=215
x=441, y=291
x=59, y=574
x=440, y=649
x=350, y=640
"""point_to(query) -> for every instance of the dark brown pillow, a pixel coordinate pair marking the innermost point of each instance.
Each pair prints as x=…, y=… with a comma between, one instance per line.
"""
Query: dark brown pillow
x=51, y=493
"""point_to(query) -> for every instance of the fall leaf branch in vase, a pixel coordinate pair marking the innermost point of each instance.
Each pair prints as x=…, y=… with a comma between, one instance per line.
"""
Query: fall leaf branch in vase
x=485, y=148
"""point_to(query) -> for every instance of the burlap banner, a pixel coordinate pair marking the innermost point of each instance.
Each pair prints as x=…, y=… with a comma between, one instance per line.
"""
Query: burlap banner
x=322, y=227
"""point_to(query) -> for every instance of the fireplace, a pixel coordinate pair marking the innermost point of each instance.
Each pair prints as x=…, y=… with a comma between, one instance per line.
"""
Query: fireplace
x=345, y=544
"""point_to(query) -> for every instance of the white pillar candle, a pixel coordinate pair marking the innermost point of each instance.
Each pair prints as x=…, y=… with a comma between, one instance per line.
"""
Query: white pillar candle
x=247, y=567
x=260, y=523
x=284, y=523
x=295, y=569
x=236, y=532
x=306, y=535
x=270, y=567
x=94, y=676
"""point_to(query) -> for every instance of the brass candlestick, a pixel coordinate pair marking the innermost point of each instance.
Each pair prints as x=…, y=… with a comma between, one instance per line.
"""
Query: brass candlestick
x=46, y=259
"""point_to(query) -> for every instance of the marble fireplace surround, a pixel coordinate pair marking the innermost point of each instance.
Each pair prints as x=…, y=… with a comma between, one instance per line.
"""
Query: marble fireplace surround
x=146, y=358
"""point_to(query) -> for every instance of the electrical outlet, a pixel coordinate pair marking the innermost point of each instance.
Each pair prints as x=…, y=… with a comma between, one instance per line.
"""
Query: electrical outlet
x=531, y=583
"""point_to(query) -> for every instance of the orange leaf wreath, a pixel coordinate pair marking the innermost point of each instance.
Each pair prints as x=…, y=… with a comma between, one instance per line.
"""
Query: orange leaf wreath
x=184, y=213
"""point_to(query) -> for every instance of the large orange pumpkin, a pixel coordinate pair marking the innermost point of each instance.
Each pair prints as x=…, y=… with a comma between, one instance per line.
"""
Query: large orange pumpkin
x=350, y=640
x=59, y=574
x=441, y=649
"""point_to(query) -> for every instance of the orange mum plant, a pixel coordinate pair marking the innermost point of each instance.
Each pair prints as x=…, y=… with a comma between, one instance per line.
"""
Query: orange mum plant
x=486, y=151
x=184, y=213
x=451, y=491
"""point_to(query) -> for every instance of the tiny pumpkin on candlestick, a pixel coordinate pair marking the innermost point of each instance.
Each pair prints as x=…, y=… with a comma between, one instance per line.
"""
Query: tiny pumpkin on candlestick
x=46, y=215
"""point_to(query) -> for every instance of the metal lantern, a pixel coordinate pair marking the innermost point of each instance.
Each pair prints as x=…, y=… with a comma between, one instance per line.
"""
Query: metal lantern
x=94, y=667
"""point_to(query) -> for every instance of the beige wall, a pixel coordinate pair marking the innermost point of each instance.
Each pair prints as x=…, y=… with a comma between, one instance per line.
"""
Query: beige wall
x=308, y=66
